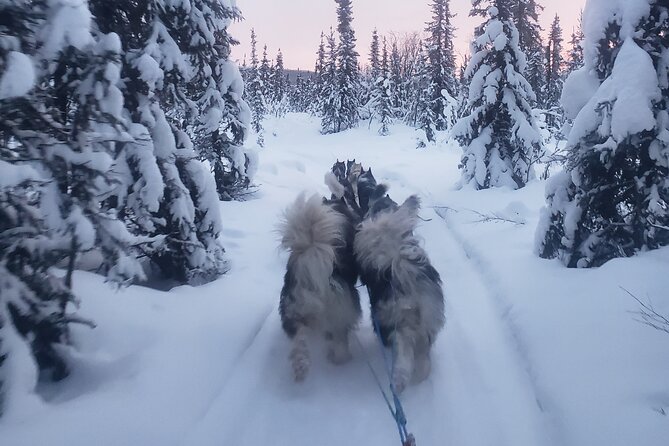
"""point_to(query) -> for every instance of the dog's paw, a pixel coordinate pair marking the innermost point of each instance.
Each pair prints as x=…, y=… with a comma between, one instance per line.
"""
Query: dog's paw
x=339, y=355
x=399, y=381
x=422, y=369
x=300, y=367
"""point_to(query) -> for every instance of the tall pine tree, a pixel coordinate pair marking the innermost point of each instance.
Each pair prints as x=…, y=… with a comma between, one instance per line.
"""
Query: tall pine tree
x=381, y=98
x=255, y=93
x=525, y=15
x=575, y=60
x=330, y=88
x=345, y=113
x=441, y=65
x=554, y=76
x=501, y=141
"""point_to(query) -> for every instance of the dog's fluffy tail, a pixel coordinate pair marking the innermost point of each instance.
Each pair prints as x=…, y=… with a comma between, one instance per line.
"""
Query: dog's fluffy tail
x=386, y=242
x=312, y=231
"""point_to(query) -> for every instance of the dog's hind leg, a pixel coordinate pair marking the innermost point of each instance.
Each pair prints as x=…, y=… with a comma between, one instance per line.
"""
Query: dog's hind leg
x=299, y=354
x=403, y=357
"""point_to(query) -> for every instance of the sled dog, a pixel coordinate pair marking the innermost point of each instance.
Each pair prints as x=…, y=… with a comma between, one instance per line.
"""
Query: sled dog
x=319, y=294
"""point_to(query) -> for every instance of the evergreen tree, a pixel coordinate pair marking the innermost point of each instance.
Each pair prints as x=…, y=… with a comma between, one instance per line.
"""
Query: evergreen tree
x=330, y=88
x=279, y=87
x=60, y=123
x=266, y=78
x=157, y=74
x=381, y=99
x=396, y=81
x=500, y=138
x=317, y=83
x=576, y=50
x=554, y=76
x=368, y=80
x=300, y=99
x=347, y=74
x=419, y=113
x=374, y=59
x=526, y=18
x=255, y=93
x=219, y=121
x=612, y=200
x=443, y=85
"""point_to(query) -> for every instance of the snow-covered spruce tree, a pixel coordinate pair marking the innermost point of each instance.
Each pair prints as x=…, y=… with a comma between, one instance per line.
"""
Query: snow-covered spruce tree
x=220, y=119
x=575, y=60
x=441, y=63
x=60, y=125
x=265, y=73
x=157, y=75
x=613, y=198
x=381, y=98
x=316, y=95
x=397, y=94
x=279, y=87
x=347, y=74
x=330, y=104
x=374, y=56
x=419, y=113
x=34, y=303
x=32, y=300
x=299, y=94
x=498, y=133
x=254, y=93
x=369, y=78
x=554, y=77
x=525, y=15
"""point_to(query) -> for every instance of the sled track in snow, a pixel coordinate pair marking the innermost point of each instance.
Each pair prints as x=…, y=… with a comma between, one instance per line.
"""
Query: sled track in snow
x=502, y=305
x=501, y=302
x=237, y=361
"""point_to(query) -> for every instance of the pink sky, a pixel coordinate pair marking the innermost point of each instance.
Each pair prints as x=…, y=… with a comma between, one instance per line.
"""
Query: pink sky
x=295, y=26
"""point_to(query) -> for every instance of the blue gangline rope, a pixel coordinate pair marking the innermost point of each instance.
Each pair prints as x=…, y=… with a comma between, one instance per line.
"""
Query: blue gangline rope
x=394, y=406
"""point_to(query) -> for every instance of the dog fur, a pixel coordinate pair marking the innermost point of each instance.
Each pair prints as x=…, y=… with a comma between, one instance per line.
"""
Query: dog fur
x=319, y=293
x=406, y=297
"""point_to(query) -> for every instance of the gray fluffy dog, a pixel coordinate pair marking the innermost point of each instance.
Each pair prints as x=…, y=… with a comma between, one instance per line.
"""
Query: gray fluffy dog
x=319, y=293
x=405, y=291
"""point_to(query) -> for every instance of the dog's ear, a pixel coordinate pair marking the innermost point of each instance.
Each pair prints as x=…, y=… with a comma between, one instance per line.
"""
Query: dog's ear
x=412, y=205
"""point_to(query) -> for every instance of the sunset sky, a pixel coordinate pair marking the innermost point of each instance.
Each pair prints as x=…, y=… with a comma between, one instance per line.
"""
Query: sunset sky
x=295, y=26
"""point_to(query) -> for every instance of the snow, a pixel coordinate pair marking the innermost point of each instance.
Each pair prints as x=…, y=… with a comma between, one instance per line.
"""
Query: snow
x=597, y=14
x=534, y=353
x=69, y=23
x=14, y=174
x=631, y=90
x=579, y=87
x=18, y=77
x=637, y=89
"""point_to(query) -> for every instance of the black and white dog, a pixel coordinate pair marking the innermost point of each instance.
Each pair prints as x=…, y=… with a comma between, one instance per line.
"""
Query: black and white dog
x=407, y=302
x=319, y=293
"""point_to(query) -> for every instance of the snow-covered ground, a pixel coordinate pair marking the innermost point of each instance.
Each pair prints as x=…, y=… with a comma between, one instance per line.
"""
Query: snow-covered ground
x=533, y=353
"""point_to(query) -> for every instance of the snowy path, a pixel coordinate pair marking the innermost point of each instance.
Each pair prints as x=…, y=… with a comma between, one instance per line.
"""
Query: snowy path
x=478, y=394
